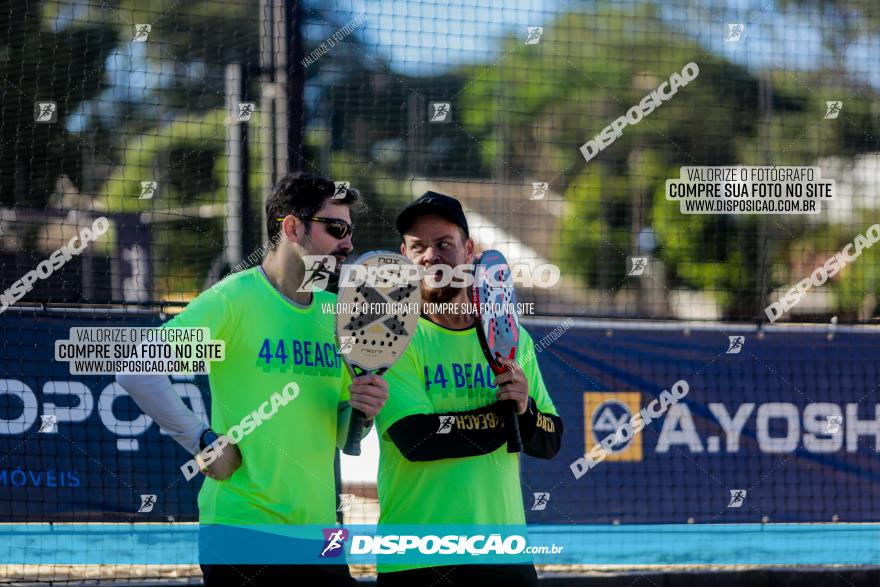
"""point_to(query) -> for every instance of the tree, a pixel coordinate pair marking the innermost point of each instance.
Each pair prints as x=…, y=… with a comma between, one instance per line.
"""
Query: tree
x=563, y=91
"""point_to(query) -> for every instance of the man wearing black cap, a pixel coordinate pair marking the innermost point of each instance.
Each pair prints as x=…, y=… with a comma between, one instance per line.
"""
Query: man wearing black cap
x=442, y=460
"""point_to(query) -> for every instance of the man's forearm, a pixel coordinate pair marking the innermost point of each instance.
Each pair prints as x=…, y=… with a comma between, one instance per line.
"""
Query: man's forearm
x=430, y=437
x=541, y=433
x=155, y=395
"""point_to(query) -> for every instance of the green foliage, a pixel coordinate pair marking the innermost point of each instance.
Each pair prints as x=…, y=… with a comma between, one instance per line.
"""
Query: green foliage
x=39, y=64
x=204, y=31
x=187, y=158
x=175, y=156
x=523, y=115
x=554, y=96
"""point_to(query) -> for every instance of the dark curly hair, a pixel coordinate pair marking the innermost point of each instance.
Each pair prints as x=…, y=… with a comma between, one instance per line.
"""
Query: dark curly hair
x=302, y=195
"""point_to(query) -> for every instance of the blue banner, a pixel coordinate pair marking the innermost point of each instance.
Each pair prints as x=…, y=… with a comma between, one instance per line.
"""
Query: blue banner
x=636, y=544
x=102, y=459
x=781, y=426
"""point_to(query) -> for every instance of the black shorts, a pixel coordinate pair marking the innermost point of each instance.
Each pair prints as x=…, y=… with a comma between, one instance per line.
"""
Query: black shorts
x=236, y=556
x=463, y=576
x=276, y=575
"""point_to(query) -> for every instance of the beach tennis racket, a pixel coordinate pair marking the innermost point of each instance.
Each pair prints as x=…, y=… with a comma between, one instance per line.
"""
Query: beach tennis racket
x=376, y=321
x=494, y=298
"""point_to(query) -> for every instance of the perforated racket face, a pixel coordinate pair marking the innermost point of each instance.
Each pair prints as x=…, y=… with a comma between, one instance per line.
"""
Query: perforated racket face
x=494, y=296
x=369, y=336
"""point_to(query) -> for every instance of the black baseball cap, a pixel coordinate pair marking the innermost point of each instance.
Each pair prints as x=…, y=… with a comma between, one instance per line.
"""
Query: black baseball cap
x=432, y=203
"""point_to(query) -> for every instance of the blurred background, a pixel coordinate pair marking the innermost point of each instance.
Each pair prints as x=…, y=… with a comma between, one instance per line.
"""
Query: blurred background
x=148, y=132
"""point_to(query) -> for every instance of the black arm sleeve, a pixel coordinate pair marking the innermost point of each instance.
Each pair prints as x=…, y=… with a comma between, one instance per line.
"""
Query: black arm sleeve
x=475, y=432
x=541, y=433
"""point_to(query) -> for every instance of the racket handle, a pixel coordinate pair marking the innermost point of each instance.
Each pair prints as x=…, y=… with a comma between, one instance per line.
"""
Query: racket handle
x=355, y=431
x=511, y=424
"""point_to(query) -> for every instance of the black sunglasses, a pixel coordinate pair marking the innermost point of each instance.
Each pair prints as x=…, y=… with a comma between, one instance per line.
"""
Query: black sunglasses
x=336, y=227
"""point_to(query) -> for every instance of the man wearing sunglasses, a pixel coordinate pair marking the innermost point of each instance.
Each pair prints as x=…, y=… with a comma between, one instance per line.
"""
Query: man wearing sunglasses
x=336, y=227
x=279, y=477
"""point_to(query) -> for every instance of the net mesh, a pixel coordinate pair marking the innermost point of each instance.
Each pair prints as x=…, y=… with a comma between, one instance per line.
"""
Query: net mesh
x=172, y=120
x=152, y=113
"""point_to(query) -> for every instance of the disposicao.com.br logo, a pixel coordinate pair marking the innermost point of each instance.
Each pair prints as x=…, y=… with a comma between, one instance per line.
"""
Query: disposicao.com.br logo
x=411, y=544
